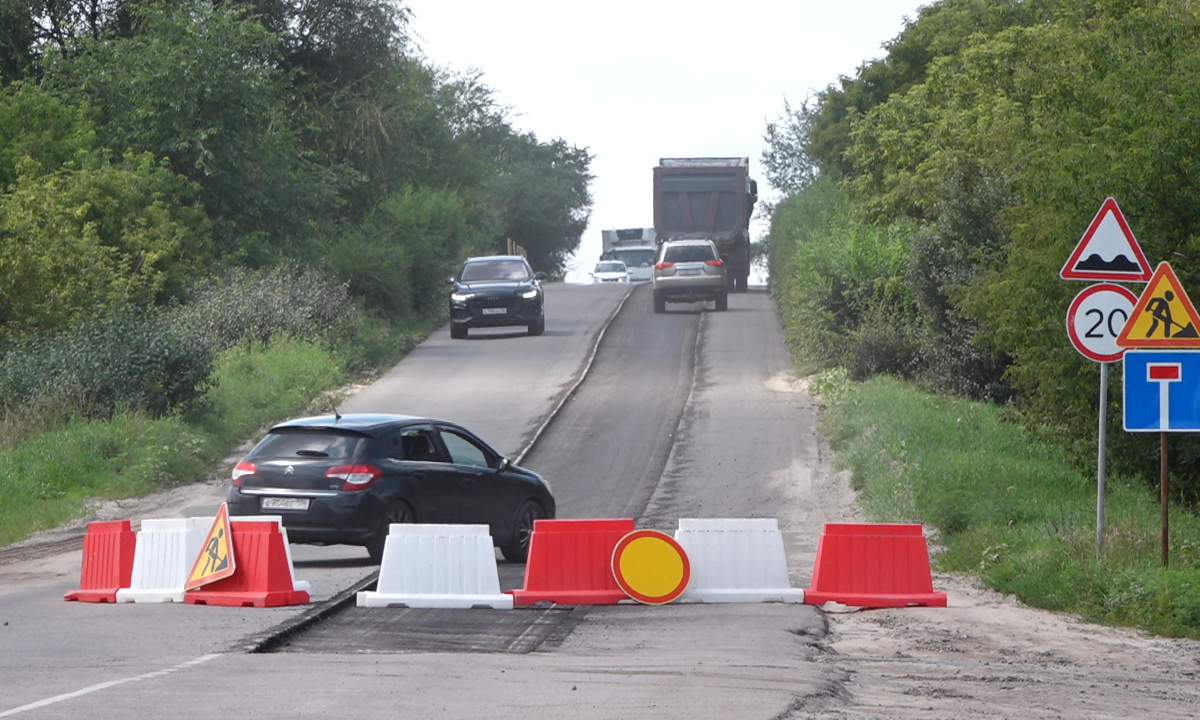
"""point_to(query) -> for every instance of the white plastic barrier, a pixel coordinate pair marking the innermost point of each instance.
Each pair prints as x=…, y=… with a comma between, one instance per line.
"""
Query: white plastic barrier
x=438, y=566
x=296, y=584
x=736, y=560
x=163, y=557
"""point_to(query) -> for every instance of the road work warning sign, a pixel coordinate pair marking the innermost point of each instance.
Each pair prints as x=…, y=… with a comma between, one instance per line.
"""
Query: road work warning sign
x=215, y=561
x=1163, y=317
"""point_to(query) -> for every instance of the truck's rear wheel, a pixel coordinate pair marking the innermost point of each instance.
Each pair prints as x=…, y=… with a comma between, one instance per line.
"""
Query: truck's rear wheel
x=660, y=303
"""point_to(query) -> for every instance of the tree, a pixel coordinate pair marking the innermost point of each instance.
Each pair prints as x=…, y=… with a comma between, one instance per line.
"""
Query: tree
x=541, y=199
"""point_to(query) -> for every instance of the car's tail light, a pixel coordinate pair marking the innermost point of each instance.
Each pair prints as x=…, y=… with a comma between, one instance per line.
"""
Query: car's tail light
x=243, y=468
x=714, y=263
x=355, y=477
x=664, y=265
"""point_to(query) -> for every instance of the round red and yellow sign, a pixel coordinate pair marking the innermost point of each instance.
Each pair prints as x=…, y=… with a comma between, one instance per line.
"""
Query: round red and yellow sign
x=651, y=567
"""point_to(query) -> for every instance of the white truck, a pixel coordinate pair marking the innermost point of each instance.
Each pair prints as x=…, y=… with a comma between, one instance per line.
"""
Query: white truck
x=636, y=247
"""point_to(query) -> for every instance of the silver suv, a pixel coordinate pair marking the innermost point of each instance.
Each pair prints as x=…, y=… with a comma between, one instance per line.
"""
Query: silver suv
x=687, y=271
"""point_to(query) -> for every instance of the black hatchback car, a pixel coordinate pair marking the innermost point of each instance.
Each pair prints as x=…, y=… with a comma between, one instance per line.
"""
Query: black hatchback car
x=496, y=291
x=343, y=479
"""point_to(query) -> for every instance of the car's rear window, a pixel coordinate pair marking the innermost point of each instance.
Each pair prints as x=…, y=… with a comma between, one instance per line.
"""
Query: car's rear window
x=688, y=253
x=495, y=270
x=300, y=443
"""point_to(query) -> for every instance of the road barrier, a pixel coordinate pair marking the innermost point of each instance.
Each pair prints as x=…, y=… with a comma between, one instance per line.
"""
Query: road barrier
x=873, y=565
x=264, y=574
x=736, y=560
x=108, y=550
x=438, y=566
x=298, y=584
x=166, y=550
x=570, y=563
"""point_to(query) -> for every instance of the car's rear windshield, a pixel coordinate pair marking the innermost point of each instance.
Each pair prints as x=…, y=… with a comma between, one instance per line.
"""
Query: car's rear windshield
x=302, y=443
x=688, y=253
x=495, y=270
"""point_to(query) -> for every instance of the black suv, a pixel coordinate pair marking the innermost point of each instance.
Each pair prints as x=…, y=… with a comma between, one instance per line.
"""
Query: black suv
x=343, y=479
x=496, y=291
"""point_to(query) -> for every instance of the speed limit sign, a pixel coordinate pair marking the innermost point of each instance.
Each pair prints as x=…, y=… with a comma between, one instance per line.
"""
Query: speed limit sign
x=1095, y=319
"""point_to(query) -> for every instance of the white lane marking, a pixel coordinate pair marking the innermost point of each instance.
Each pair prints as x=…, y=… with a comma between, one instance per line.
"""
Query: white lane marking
x=105, y=685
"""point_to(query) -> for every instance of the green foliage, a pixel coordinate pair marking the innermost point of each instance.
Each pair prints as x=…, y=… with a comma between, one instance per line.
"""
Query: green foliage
x=39, y=133
x=1001, y=127
x=541, y=199
x=839, y=285
x=253, y=385
x=254, y=306
x=198, y=83
x=398, y=261
x=99, y=234
x=55, y=476
x=131, y=360
x=1009, y=508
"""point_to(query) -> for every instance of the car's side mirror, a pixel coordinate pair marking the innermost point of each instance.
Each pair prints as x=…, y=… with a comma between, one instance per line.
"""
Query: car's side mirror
x=504, y=465
x=450, y=280
x=539, y=275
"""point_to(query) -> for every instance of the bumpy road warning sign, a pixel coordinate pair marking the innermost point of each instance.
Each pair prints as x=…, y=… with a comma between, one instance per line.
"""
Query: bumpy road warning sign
x=1107, y=250
x=215, y=561
x=1163, y=317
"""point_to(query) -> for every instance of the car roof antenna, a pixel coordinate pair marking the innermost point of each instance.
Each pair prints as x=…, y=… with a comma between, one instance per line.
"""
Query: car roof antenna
x=337, y=417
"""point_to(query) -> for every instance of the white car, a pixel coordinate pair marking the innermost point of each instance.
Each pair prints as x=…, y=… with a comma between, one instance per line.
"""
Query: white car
x=610, y=271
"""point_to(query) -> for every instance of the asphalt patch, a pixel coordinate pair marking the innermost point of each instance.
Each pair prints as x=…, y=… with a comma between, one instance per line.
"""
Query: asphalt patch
x=356, y=631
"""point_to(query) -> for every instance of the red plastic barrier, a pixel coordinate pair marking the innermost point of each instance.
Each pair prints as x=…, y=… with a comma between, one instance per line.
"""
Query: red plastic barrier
x=570, y=563
x=264, y=573
x=107, y=561
x=873, y=565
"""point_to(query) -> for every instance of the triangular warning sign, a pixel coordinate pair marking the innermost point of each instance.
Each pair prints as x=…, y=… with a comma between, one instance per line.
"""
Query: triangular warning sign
x=215, y=561
x=1163, y=317
x=1107, y=250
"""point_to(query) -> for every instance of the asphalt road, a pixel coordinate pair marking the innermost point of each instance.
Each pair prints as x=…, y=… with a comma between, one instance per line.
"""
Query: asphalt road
x=654, y=417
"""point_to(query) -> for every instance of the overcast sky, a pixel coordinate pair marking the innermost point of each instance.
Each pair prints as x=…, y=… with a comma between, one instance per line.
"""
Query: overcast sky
x=636, y=80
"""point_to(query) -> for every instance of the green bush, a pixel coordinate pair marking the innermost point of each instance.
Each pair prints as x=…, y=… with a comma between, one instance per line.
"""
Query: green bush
x=254, y=306
x=135, y=360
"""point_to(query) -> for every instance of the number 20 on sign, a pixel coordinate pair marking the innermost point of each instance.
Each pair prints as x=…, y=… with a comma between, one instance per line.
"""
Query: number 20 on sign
x=1095, y=319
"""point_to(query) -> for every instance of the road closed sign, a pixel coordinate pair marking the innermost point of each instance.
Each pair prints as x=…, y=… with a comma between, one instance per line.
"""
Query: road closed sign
x=1095, y=320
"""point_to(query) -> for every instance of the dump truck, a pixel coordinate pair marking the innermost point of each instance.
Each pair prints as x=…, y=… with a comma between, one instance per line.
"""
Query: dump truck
x=711, y=198
x=633, y=246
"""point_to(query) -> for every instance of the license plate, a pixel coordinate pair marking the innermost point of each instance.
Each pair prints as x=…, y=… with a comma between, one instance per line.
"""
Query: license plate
x=689, y=271
x=281, y=503
x=494, y=311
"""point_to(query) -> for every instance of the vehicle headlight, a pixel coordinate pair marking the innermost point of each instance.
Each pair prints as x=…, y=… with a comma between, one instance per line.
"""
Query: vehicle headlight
x=460, y=297
x=529, y=294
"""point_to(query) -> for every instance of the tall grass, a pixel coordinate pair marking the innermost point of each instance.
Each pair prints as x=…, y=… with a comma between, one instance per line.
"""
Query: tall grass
x=1012, y=511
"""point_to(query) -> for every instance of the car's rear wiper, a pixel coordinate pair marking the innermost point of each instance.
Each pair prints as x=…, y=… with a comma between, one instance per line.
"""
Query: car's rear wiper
x=312, y=453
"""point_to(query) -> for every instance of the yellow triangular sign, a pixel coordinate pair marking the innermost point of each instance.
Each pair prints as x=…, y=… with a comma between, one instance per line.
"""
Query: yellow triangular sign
x=215, y=561
x=1163, y=317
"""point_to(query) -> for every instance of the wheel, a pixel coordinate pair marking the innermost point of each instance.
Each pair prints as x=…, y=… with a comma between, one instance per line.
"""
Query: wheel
x=397, y=513
x=537, y=327
x=458, y=332
x=742, y=283
x=723, y=301
x=518, y=550
x=660, y=304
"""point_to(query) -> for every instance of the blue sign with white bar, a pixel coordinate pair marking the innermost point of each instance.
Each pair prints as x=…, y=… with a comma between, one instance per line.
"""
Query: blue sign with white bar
x=1162, y=390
